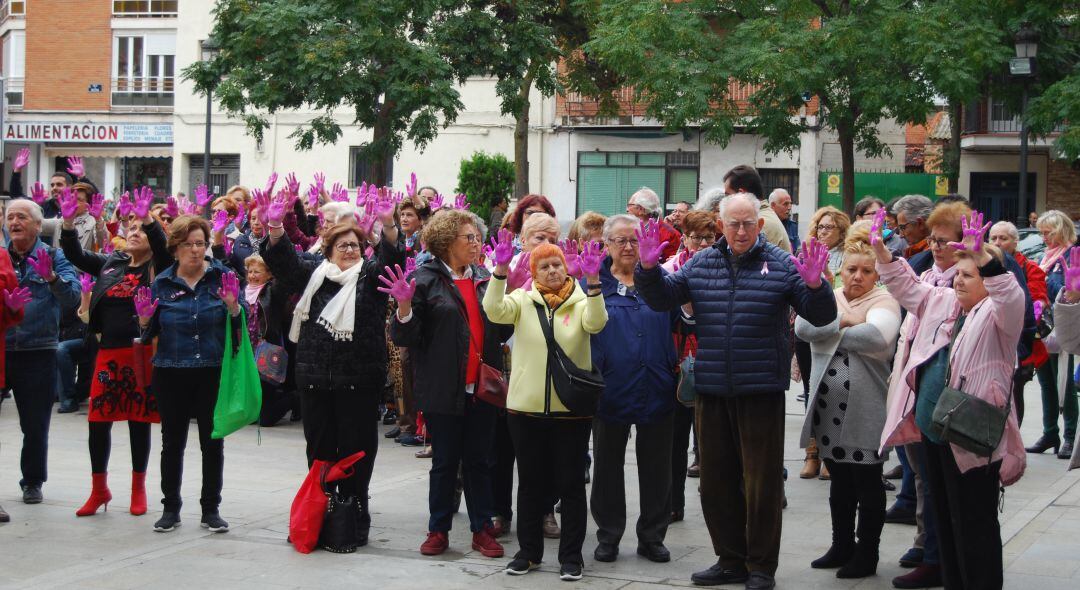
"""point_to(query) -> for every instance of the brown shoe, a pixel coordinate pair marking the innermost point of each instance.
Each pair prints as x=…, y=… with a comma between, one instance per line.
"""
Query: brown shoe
x=824, y=474
x=425, y=453
x=924, y=576
x=811, y=464
x=551, y=527
x=500, y=526
x=4, y=517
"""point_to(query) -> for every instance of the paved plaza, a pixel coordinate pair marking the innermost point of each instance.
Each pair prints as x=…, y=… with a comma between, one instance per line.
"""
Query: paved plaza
x=46, y=546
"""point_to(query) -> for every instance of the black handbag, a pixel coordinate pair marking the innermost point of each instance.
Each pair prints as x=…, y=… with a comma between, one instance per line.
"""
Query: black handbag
x=339, y=532
x=578, y=389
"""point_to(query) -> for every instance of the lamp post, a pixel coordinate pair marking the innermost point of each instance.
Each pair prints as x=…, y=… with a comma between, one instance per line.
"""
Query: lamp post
x=210, y=51
x=1023, y=67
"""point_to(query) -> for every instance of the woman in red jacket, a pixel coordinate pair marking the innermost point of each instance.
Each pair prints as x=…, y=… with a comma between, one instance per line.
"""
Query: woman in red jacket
x=11, y=313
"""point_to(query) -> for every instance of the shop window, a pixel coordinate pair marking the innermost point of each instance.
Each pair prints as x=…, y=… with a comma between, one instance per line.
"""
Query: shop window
x=144, y=7
x=155, y=173
x=607, y=179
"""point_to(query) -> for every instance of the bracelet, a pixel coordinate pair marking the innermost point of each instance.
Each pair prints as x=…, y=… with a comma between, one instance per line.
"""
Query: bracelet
x=591, y=287
x=495, y=276
x=272, y=226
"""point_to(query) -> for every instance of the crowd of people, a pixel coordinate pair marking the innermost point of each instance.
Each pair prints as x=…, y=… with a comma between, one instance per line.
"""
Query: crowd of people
x=497, y=345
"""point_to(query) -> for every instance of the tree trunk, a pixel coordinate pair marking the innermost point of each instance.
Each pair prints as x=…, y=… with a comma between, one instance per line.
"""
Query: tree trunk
x=951, y=162
x=380, y=135
x=847, y=167
x=521, y=139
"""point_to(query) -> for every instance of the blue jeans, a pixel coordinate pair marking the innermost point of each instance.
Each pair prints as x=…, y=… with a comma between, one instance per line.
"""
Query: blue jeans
x=69, y=355
x=33, y=400
x=931, y=553
x=905, y=499
x=467, y=440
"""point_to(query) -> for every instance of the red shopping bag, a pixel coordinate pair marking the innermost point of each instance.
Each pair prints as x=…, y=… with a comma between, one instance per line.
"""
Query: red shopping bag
x=309, y=505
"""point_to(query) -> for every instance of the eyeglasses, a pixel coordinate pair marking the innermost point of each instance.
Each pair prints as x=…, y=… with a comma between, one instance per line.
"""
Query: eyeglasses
x=347, y=247
x=938, y=242
x=624, y=242
x=903, y=226
x=746, y=226
x=193, y=245
x=470, y=238
x=825, y=227
x=701, y=239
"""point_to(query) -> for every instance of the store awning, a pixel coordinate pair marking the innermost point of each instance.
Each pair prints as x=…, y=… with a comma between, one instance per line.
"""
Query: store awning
x=157, y=151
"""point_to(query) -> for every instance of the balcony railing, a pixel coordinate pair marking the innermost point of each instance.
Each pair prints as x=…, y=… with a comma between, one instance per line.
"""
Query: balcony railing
x=143, y=92
x=12, y=9
x=13, y=92
x=153, y=8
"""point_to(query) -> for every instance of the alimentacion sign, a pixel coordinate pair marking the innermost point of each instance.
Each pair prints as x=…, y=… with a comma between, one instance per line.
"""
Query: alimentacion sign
x=88, y=132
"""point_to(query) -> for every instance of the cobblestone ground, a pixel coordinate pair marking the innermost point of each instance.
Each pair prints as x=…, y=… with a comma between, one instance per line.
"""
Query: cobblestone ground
x=46, y=546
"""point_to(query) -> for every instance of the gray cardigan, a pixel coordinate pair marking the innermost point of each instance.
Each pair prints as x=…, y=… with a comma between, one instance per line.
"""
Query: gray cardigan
x=869, y=354
x=1067, y=334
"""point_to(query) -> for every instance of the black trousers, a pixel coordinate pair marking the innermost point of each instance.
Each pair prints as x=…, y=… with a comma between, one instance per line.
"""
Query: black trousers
x=551, y=464
x=183, y=394
x=100, y=443
x=340, y=422
x=276, y=402
x=608, y=501
x=502, y=473
x=856, y=489
x=967, y=517
x=466, y=441
x=682, y=428
x=741, y=442
x=31, y=378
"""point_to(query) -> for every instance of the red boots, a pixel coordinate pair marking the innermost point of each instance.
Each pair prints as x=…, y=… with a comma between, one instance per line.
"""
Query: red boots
x=138, y=493
x=99, y=495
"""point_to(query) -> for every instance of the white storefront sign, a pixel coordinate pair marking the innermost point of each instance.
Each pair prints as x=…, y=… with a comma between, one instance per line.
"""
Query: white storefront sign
x=84, y=132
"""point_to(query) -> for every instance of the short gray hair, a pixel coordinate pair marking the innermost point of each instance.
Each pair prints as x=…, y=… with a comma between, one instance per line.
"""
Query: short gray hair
x=1008, y=227
x=480, y=226
x=647, y=199
x=35, y=210
x=775, y=195
x=710, y=200
x=913, y=207
x=611, y=222
x=747, y=197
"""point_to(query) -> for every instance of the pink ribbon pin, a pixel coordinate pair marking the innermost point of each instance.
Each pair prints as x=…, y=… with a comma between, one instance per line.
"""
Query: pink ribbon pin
x=566, y=320
x=765, y=269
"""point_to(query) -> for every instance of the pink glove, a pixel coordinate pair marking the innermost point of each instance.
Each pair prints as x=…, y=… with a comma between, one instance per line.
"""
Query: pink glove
x=69, y=204
x=397, y=286
x=570, y=253
x=592, y=257
x=75, y=167
x=811, y=263
x=503, y=247
x=145, y=306
x=410, y=189
x=230, y=288
x=650, y=248
x=202, y=195
x=124, y=208
x=519, y=276
x=21, y=160
x=172, y=209
x=17, y=298
x=37, y=192
x=42, y=264
x=87, y=283
x=97, y=205
x=221, y=221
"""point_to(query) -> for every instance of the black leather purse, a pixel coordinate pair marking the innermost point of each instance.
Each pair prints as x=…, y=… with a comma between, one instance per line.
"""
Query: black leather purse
x=339, y=532
x=578, y=389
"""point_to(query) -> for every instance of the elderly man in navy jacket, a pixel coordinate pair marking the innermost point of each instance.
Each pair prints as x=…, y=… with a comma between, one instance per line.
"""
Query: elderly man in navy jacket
x=741, y=290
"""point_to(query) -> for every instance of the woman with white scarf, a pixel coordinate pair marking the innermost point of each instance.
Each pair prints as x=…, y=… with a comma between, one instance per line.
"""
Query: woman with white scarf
x=341, y=342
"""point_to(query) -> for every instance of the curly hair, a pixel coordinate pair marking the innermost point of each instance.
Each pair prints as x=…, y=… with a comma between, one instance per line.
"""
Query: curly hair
x=842, y=221
x=948, y=216
x=443, y=229
x=589, y=223
x=857, y=240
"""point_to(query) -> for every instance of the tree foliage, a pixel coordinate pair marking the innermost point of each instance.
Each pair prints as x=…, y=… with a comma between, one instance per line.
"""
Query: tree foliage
x=487, y=180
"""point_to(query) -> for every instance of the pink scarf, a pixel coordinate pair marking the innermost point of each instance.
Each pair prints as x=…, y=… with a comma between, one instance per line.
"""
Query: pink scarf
x=1051, y=257
x=251, y=293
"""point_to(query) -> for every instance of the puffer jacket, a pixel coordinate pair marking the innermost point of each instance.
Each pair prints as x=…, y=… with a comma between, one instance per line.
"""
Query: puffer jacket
x=741, y=314
x=437, y=337
x=321, y=361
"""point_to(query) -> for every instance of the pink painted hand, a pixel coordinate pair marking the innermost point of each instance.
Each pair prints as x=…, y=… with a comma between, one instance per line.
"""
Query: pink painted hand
x=172, y=208
x=75, y=167
x=436, y=202
x=230, y=288
x=1072, y=275
x=86, y=282
x=384, y=209
x=812, y=262
x=38, y=194
x=519, y=276
x=241, y=215
x=313, y=196
x=271, y=182
x=228, y=245
x=877, y=227
x=397, y=285
x=124, y=208
x=974, y=232
x=21, y=160
x=320, y=181
x=1038, y=308
x=221, y=221
x=145, y=304
x=292, y=184
x=108, y=248
x=570, y=253
x=97, y=205
x=503, y=247
x=275, y=211
x=202, y=195
x=17, y=298
x=650, y=248
x=461, y=202
x=410, y=266
x=592, y=257
x=144, y=197
x=69, y=204
x=42, y=264
x=410, y=189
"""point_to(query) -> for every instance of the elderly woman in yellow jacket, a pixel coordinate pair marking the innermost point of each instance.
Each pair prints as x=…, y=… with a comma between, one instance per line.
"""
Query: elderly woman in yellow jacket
x=550, y=441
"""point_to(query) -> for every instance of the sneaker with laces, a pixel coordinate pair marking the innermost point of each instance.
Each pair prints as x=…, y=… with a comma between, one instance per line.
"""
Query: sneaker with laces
x=167, y=523
x=484, y=542
x=520, y=566
x=435, y=544
x=570, y=572
x=214, y=522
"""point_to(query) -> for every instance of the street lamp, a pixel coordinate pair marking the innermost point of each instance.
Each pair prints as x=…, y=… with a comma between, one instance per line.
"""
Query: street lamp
x=1023, y=67
x=210, y=50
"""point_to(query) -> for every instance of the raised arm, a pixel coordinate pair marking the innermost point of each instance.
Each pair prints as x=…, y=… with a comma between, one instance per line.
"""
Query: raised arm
x=285, y=264
x=500, y=307
x=88, y=262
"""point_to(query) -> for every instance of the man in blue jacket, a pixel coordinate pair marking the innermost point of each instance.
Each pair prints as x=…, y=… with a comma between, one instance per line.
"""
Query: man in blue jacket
x=31, y=345
x=741, y=289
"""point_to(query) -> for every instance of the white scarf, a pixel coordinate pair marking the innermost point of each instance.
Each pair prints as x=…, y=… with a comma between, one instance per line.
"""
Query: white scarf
x=339, y=315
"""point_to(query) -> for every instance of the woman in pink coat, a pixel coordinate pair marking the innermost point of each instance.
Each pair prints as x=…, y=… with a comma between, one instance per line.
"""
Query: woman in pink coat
x=979, y=315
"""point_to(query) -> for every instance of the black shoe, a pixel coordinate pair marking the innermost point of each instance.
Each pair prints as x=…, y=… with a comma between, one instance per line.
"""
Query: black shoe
x=1045, y=442
x=214, y=522
x=654, y=552
x=363, y=527
x=694, y=470
x=895, y=473
x=394, y=433
x=718, y=574
x=836, y=556
x=31, y=494
x=760, y=581
x=168, y=522
x=412, y=440
x=4, y=516
x=863, y=562
x=913, y=558
x=888, y=485
x=1066, y=450
x=676, y=515
x=897, y=515
x=606, y=552
x=570, y=572
x=68, y=407
x=389, y=418
x=520, y=566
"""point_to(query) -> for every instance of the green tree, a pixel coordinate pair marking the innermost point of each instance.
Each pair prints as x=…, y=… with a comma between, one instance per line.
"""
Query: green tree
x=1056, y=86
x=487, y=180
x=374, y=63
x=851, y=56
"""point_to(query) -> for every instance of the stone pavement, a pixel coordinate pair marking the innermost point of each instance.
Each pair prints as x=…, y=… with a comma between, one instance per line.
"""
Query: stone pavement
x=46, y=546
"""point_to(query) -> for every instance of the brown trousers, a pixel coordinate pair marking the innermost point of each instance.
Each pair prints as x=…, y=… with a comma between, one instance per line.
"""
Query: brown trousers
x=741, y=455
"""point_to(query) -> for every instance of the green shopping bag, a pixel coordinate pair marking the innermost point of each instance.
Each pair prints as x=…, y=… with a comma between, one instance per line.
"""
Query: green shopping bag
x=239, y=393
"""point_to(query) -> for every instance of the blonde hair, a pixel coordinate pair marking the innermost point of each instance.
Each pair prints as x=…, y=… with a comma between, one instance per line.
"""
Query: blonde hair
x=539, y=222
x=857, y=241
x=588, y=223
x=255, y=259
x=244, y=193
x=842, y=221
x=1061, y=228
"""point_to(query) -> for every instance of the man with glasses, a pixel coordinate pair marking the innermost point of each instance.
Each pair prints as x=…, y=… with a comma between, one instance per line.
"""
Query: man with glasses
x=912, y=211
x=742, y=289
x=745, y=179
x=645, y=205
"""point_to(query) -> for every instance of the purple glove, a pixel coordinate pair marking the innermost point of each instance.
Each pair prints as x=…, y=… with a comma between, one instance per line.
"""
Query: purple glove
x=811, y=263
x=241, y=215
x=502, y=247
x=591, y=258
x=436, y=202
x=202, y=195
x=124, y=208
x=270, y=182
x=143, y=198
x=17, y=298
x=21, y=160
x=230, y=288
x=97, y=205
x=87, y=283
x=145, y=306
x=650, y=248
x=410, y=266
x=292, y=183
x=37, y=192
x=410, y=189
x=397, y=286
x=519, y=275
x=69, y=204
x=42, y=264
x=974, y=232
x=877, y=226
x=75, y=167
x=221, y=221
x=172, y=209
x=461, y=202
x=570, y=253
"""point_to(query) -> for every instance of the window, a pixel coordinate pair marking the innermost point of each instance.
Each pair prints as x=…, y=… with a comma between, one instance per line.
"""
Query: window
x=10, y=8
x=144, y=7
x=144, y=70
x=607, y=179
x=360, y=168
x=14, y=67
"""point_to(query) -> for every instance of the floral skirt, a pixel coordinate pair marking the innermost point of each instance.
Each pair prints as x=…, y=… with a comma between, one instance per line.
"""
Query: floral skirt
x=115, y=394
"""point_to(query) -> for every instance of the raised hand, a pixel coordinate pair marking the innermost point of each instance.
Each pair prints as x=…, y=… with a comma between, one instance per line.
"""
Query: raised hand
x=877, y=238
x=221, y=221
x=42, y=264
x=396, y=285
x=241, y=215
x=313, y=196
x=87, y=283
x=812, y=262
x=292, y=184
x=75, y=167
x=202, y=195
x=366, y=222
x=275, y=211
x=17, y=298
x=461, y=202
x=410, y=266
x=124, y=208
x=592, y=257
x=650, y=248
x=410, y=189
x=21, y=160
x=502, y=248
x=172, y=209
x=38, y=194
x=339, y=193
x=145, y=304
x=1072, y=275
x=519, y=276
x=570, y=253
x=320, y=181
x=69, y=204
x=230, y=289
x=436, y=203
x=384, y=209
x=974, y=232
x=228, y=245
x=143, y=198
x=270, y=182
x=97, y=205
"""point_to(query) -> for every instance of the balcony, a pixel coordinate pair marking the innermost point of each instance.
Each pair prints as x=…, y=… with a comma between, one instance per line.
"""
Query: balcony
x=13, y=93
x=12, y=9
x=144, y=8
x=989, y=124
x=144, y=94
